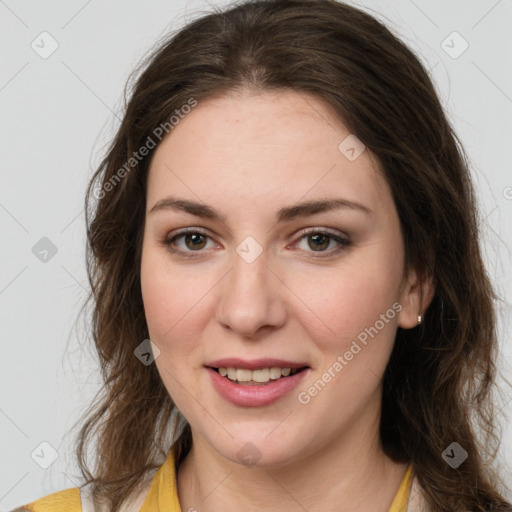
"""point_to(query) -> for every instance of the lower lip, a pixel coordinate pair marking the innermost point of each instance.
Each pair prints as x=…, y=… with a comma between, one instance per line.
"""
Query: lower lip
x=255, y=396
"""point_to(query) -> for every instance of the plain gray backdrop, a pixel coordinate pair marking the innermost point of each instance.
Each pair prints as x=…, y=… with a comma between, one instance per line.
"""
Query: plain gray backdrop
x=63, y=69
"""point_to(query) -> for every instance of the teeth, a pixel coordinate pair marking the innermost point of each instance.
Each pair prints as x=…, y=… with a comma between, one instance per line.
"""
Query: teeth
x=275, y=373
x=243, y=375
x=260, y=375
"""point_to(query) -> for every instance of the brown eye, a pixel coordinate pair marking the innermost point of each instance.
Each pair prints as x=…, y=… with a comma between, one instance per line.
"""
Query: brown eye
x=194, y=241
x=323, y=243
x=187, y=242
x=319, y=241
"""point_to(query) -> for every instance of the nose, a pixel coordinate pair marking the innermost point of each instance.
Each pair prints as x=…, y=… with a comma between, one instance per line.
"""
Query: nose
x=252, y=298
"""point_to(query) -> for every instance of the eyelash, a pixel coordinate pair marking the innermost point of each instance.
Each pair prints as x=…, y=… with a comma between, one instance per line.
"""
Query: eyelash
x=343, y=242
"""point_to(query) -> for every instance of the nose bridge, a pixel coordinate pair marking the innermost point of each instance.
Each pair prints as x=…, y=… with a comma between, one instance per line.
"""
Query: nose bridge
x=251, y=295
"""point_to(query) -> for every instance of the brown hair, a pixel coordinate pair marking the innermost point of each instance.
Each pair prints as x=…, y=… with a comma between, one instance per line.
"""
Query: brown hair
x=438, y=384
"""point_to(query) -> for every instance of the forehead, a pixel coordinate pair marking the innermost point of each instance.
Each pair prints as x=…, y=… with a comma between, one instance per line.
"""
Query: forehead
x=267, y=147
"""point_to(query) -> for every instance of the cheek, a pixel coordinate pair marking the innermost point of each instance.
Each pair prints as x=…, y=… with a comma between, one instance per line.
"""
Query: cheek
x=353, y=327
x=172, y=307
x=343, y=303
x=171, y=300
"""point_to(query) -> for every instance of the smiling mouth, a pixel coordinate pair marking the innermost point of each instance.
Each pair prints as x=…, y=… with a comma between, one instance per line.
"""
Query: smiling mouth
x=258, y=377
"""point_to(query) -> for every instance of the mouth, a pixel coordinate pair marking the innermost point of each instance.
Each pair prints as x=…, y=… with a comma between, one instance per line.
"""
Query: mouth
x=257, y=377
x=255, y=382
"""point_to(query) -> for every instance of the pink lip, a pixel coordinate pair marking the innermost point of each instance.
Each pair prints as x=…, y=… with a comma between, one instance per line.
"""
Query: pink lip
x=255, y=396
x=254, y=364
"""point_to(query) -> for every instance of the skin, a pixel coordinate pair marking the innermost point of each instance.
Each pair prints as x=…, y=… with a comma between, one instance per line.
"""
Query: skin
x=247, y=154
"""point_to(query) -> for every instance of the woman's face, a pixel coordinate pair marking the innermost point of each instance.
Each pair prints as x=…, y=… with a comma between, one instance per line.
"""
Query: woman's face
x=270, y=283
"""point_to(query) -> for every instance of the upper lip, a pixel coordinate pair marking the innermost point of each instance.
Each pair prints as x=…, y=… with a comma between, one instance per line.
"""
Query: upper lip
x=254, y=364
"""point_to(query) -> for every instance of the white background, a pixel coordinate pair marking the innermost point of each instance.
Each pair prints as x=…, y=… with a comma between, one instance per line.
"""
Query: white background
x=57, y=116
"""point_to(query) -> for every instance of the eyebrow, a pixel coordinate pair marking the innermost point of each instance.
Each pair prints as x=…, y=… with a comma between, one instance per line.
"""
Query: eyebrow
x=286, y=213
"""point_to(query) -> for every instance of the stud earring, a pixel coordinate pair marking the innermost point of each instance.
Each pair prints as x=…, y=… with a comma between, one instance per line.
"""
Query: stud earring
x=419, y=319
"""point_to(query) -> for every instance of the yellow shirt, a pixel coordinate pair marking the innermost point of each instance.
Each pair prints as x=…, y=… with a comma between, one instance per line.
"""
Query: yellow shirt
x=163, y=497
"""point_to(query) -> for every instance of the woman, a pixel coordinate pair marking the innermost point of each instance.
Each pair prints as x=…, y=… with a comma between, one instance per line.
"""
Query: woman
x=286, y=214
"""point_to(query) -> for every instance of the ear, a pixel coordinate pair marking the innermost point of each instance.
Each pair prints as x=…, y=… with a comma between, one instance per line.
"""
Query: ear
x=416, y=294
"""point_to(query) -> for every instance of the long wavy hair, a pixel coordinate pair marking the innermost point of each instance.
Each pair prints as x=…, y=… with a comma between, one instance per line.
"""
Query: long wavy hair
x=439, y=384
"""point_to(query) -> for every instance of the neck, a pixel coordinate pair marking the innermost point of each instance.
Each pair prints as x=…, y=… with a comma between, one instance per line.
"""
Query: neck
x=349, y=473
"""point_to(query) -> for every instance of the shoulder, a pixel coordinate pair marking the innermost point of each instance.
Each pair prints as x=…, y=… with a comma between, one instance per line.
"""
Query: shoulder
x=79, y=499
x=417, y=501
x=62, y=501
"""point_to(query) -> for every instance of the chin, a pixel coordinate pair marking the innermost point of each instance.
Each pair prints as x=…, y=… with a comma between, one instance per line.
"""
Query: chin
x=258, y=451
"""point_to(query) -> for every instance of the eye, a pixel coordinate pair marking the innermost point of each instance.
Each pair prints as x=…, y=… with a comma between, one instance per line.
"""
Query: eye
x=194, y=240
x=318, y=241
